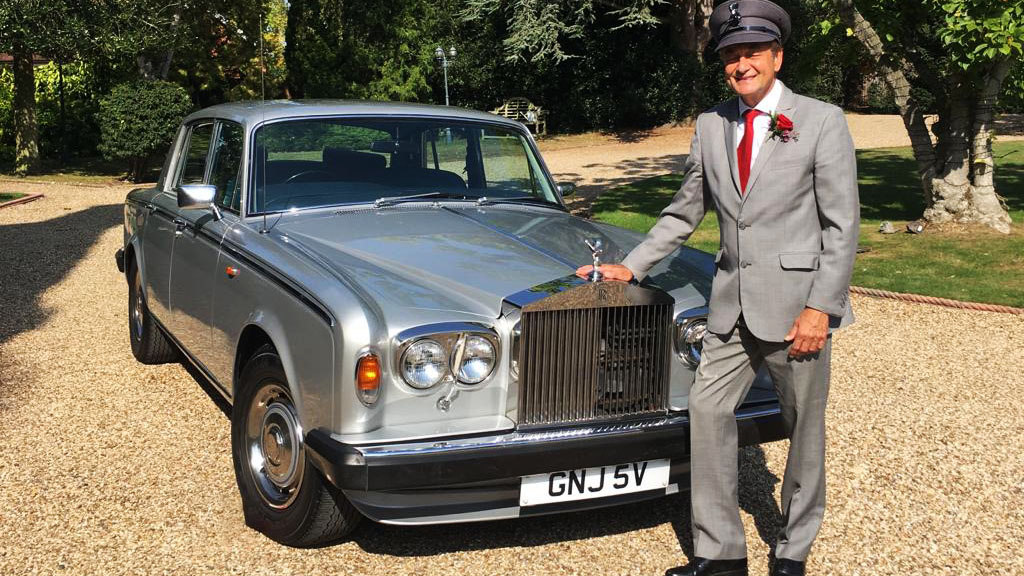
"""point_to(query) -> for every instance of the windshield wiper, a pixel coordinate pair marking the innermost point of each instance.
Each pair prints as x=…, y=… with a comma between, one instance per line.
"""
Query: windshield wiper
x=392, y=200
x=484, y=200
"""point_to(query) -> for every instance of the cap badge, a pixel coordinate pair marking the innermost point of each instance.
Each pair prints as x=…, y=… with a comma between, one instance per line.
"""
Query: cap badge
x=734, y=15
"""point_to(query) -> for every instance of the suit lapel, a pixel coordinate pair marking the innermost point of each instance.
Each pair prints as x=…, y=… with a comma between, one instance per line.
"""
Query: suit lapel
x=768, y=147
x=731, y=117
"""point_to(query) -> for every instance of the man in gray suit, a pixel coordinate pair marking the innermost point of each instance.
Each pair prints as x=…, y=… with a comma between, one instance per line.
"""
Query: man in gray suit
x=780, y=172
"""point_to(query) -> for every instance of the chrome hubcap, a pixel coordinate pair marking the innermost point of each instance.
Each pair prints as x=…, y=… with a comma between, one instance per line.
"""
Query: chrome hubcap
x=274, y=445
x=137, y=308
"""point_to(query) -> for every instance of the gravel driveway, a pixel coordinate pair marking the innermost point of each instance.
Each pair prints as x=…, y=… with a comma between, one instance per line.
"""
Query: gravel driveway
x=111, y=467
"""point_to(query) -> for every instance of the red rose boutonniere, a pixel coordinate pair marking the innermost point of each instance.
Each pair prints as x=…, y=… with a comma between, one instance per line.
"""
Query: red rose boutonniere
x=782, y=128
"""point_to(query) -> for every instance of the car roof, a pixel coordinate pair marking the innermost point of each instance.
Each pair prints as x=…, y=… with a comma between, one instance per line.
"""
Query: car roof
x=254, y=111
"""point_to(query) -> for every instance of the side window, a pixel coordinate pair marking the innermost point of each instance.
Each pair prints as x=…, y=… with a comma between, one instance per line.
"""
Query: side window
x=194, y=170
x=506, y=162
x=224, y=174
x=445, y=149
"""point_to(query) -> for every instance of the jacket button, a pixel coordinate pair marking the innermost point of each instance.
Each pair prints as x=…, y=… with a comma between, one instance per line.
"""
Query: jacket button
x=742, y=225
x=744, y=264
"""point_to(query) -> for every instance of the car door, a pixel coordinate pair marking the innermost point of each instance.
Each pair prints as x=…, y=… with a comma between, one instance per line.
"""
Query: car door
x=213, y=157
x=158, y=242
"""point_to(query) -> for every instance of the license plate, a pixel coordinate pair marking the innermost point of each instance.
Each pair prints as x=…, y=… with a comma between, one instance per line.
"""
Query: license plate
x=597, y=482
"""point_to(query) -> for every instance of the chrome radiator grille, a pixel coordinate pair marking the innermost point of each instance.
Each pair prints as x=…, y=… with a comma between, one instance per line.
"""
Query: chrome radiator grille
x=592, y=364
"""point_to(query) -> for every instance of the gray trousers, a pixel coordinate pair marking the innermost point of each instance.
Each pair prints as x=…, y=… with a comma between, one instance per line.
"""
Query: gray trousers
x=727, y=369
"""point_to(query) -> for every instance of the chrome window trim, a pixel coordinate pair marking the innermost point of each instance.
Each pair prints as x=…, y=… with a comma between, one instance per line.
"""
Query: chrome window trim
x=250, y=145
x=241, y=164
x=190, y=128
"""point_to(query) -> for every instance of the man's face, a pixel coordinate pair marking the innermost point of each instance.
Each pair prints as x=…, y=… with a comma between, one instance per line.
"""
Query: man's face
x=750, y=69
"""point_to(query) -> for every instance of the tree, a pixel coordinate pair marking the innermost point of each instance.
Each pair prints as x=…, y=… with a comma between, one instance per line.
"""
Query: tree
x=962, y=51
x=212, y=47
x=374, y=49
x=20, y=25
x=139, y=118
x=537, y=29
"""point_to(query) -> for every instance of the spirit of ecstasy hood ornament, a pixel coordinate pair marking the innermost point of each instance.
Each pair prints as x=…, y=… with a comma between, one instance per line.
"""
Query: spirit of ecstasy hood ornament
x=597, y=247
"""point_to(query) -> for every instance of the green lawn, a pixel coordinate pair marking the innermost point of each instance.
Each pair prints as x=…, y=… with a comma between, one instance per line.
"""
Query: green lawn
x=958, y=262
x=80, y=171
x=8, y=196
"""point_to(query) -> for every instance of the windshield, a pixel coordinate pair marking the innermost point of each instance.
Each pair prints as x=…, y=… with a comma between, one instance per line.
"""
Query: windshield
x=312, y=163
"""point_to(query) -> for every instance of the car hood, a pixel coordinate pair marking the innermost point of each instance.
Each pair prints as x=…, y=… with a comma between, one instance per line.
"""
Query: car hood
x=454, y=256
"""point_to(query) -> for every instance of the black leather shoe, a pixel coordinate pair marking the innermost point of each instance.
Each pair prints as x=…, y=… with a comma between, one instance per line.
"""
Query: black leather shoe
x=705, y=567
x=787, y=567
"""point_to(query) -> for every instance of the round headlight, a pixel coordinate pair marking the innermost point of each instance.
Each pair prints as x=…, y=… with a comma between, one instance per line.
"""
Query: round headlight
x=424, y=364
x=690, y=340
x=477, y=360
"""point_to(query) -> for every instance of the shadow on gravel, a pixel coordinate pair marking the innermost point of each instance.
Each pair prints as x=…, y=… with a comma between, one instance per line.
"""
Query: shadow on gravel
x=757, y=485
x=37, y=255
x=209, y=387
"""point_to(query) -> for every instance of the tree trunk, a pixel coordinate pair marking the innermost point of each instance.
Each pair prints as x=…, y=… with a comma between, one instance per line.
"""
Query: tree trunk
x=963, y=189
x=137, y=168
x=689, y=21
x=703, y=14
x=680, y=19
x=26, y=132
x=165, y=66
x=892, y=72
x=990, y=209
x=950, y=197
x=63, y=113
x=957, y=170
x=145, y=67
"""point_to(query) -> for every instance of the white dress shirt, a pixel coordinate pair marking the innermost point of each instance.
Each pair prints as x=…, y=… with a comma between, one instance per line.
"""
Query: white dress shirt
x=768, y=104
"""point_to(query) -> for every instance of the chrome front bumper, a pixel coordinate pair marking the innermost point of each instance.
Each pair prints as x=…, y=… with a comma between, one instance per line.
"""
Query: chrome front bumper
x=477, y=478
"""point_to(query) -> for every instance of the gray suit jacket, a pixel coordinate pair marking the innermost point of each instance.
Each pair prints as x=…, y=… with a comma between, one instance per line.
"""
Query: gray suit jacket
x=790, y=241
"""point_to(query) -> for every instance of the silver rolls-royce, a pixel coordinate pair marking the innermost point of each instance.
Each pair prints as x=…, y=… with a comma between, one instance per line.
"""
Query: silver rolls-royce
x=385, y=295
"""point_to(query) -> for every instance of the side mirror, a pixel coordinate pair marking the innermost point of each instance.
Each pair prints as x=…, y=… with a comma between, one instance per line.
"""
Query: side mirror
x=198, y=196
x=566, y=188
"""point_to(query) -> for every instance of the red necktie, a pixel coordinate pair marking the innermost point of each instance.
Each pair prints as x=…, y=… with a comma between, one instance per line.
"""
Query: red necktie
x=746, y=147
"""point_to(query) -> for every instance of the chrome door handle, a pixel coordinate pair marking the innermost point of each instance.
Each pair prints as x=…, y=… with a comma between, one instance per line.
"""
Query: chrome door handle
x=179, y=226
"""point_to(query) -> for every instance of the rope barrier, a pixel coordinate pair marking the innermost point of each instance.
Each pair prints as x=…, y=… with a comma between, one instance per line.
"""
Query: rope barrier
x=919, y=299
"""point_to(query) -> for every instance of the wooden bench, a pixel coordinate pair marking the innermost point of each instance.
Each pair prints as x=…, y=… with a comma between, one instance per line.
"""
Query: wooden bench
x=524, y=111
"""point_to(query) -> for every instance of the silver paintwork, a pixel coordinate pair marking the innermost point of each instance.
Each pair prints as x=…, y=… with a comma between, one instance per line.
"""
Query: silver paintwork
x=328, y=285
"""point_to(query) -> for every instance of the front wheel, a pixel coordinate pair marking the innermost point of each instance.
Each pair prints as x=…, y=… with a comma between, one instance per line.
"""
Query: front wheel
x=149, y=344
x=283, y=495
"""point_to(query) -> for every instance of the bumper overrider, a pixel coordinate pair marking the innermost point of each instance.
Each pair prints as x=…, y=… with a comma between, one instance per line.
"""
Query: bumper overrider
x=478, y=478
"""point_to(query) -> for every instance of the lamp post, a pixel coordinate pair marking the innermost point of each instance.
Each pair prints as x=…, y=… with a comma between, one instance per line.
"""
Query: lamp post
x=442, y=59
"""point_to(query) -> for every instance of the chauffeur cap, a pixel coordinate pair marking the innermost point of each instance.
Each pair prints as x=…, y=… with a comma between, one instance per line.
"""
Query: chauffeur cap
x=749, y=21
